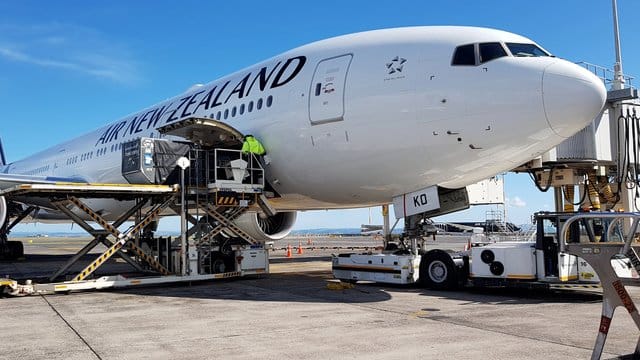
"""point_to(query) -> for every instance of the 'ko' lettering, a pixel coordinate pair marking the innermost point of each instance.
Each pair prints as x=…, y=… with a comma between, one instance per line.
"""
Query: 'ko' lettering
x=420, y=200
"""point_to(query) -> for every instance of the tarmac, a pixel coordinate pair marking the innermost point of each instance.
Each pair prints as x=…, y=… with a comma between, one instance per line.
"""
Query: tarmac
x=292, y=314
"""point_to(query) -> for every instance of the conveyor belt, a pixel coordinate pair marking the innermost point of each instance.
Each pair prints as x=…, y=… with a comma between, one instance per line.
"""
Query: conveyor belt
x=116, y=191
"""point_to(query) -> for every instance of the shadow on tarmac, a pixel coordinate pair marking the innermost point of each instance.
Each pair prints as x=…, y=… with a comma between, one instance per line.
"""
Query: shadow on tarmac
x=310, y=287
x=302, y=286
x=517, y=296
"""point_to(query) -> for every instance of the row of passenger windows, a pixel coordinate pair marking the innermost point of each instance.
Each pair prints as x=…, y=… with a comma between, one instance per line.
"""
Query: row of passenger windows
x=234, y=111
x=240, y=110
x=72, y=160
x=40, y=170
x=475, y=54
x=89, y=155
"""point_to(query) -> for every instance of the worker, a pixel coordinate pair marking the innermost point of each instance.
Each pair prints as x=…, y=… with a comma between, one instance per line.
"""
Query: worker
x=251, y=147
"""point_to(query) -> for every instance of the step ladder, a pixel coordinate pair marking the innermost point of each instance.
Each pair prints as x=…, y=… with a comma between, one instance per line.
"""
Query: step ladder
x=599, y=255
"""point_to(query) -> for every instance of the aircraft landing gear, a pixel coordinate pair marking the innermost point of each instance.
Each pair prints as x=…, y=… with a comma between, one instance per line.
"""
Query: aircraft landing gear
x=10, y=250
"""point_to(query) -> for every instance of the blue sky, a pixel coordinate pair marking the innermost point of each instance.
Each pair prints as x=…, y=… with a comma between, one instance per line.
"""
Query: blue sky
x=67, y=67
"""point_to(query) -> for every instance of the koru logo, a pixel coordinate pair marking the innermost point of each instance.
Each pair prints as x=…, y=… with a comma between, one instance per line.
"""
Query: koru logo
x=396, y=65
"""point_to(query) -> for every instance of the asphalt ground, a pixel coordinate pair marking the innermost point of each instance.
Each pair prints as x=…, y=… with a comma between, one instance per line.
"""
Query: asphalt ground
x=291, y=314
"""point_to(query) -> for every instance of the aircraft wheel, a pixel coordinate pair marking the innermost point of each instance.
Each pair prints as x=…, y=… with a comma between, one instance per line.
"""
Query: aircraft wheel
x=437, y=271
x=16, y=249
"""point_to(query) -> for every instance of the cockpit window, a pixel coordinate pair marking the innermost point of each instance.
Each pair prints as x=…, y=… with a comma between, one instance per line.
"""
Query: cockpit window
x=526, y=50
x=464, y=55
x=490, y=51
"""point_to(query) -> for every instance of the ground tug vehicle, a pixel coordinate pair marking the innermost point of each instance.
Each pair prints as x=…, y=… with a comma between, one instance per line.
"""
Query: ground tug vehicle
x=534, y=262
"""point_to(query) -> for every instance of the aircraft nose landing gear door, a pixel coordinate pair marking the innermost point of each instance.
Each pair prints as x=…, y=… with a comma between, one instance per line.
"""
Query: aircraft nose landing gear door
x=326, y=103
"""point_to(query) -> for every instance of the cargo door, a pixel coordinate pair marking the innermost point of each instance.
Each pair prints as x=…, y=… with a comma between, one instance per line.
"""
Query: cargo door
x=326, y=100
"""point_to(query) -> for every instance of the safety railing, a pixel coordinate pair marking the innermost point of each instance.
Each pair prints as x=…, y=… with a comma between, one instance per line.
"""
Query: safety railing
x=236, y=167
x=605, y=74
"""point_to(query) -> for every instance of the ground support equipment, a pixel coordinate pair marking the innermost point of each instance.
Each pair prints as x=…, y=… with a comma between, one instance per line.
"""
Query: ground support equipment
x=599, y=255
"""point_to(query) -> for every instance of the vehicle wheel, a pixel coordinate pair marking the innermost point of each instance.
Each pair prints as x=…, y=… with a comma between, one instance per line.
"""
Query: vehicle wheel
x=218, y=266
x=437, y=271
x=391, y=246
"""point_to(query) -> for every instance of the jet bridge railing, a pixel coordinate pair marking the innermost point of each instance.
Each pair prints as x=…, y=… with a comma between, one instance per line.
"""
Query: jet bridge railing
x=599, y=256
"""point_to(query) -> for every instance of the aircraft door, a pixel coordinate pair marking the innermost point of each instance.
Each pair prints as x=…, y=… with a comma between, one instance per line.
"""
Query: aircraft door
x=326, y=100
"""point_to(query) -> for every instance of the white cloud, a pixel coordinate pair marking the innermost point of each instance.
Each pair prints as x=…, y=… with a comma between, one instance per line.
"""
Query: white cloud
x=70, y=48
x=516, y=201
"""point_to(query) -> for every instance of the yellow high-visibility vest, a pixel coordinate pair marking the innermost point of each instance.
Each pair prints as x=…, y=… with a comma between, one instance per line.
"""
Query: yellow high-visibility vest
x=253, y=146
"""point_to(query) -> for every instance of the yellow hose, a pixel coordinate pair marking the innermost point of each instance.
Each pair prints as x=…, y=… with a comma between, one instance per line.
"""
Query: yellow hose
x=608, y=195
x=568, y=198
x=594, y=197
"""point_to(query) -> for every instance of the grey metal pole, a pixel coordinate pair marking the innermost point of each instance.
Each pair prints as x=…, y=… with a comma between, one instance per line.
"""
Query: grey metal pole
x=618, y=76
x=183, y=163
x=183, y=225
x=386, y=232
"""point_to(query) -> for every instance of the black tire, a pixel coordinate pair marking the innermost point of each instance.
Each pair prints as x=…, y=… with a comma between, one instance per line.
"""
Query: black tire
x=221, y=263
x=438, y=271
x=391, y=246
x=487, y=256
x=218, y=265
x=496, y=268
x=16, y=249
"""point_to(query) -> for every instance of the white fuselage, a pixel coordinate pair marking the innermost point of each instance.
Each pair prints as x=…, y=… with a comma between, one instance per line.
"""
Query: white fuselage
x=358, y=119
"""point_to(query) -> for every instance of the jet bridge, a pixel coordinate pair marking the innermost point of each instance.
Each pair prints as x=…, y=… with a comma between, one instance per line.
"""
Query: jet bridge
x=217, y=189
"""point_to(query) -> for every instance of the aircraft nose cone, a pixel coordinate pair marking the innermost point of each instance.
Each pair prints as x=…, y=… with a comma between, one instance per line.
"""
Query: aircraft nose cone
x=572, y=97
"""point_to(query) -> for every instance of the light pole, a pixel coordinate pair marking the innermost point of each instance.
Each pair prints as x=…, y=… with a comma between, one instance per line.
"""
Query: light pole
x=183, y=163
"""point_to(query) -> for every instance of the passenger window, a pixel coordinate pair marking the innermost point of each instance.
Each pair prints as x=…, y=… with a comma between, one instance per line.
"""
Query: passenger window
x=233, y=111
x=269, y=100
x=464, y=55
x=490, y=51
x=259, y=104
x=226, y=113
x=241, y=109
x=250, y=107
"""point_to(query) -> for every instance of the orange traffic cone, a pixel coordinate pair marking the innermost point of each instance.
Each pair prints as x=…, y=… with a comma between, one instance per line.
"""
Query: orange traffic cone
x=299, y=248
x=289, y=251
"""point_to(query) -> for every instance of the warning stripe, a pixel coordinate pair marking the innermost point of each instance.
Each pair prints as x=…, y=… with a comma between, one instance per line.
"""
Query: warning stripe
x=226, y=200
x=227, y=275
x=122, y=239
x=605, y=323
x=97, y=218
x=97, y=262
x=149, y=259
x=226, y=221
x=215, y=231
x=576, y=286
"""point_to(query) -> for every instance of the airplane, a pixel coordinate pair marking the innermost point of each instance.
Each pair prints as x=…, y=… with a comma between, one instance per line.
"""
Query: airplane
x=358, y=120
